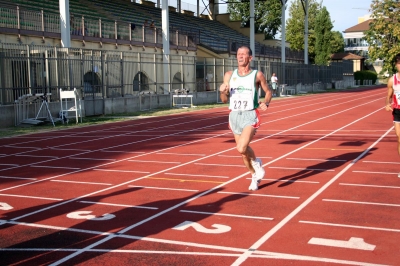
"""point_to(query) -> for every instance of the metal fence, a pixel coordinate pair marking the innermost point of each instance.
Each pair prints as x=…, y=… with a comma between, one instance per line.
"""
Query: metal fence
x=31, y=69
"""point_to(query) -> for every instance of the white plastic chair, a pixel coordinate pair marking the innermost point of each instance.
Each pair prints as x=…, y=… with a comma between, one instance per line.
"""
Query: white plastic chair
x=66, y=97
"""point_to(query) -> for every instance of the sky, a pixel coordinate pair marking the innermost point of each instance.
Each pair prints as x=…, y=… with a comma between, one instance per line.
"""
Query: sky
x=344, y=13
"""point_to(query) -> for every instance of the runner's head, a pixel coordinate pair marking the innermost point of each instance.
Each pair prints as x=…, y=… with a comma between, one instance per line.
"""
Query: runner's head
x=396, y=62
x=244, y=55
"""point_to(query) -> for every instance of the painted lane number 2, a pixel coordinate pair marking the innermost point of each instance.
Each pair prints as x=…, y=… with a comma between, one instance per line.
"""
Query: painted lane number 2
x=218, y=228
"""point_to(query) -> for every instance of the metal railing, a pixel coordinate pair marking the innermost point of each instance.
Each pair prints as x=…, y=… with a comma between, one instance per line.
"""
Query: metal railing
x=47, y=24
x=31, y=69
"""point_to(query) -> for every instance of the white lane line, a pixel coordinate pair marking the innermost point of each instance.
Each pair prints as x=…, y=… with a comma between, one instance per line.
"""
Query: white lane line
x=29, y=197
x=144, y=161
x=22, y=178
x=364, y=185
x=321, y=134
x=94, y=159
x=80, y=182
x=239, y=156
x=120, y=171
x=149, y=239
x=118, y=205
x=381, y=173
x=58, y=167
x=216, y=176
x=258, y=195
x=302, y=169
x=323, y=130
x=380, y=162
x=206, y=128
x=165, y=188
x=119, y=185
x=259, y=254
x=323, y=160
x=307, y=259
x=181, y=154
x=352, y=226
x=136, y=152
x=229, y=215
x=35, y=156
x=201, y=129
x=201, y=194
x=233, y=253
x=142, y=251
x=284, y=221
x=226, y=165
x=65, y=149
x=8, y=164
x=221, y=185
x=59, y=228
x=24, y=147
x=363, y=202
x=113, y=127
x=289, y=181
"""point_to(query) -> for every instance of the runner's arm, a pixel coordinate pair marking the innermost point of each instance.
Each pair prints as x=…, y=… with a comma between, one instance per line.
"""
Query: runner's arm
x=264, y=85
x=388, y=100
x=224, y=88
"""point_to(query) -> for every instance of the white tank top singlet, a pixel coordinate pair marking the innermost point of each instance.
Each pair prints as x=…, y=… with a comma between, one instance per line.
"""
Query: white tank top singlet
x=243, y=91
x=396, y=92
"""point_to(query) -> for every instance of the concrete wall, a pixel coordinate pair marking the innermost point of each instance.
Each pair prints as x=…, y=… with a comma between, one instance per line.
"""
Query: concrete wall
x=128, y=104
x=118, y=105
x=7, y=116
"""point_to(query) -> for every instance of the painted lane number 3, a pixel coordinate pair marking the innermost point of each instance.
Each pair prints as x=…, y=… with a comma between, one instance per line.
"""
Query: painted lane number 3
x=218, y=228
x=5, y=206
x=85, y=215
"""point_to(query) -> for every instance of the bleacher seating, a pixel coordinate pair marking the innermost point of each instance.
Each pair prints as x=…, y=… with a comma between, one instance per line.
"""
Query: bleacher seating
x=213, y=35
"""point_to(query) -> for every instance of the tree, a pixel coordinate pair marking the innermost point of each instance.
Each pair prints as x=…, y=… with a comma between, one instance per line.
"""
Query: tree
x=337, y=42
x=295, y=26
x=323, y=37
x=267, y=15
x=383, y=35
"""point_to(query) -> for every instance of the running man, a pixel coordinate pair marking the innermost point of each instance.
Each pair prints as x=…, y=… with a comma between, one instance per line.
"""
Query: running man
x=393, y=103
x=274, y=83
x=241, y=85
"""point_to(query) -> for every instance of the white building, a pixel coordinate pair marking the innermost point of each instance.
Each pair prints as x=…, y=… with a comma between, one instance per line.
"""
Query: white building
x=356, y=44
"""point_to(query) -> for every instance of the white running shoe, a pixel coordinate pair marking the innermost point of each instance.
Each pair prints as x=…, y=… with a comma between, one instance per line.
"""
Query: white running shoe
x=398, y=175
x=259, y=170
x=254, y=183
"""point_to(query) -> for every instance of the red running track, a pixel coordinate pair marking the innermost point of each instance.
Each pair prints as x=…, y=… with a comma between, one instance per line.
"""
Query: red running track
x=173, y=190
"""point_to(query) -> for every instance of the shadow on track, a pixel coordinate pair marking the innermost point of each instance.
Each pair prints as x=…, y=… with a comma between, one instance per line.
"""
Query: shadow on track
x=82, y=234
x=330, y=163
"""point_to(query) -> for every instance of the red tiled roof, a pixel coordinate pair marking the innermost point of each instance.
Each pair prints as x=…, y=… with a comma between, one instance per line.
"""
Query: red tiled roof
x=346, y=56
x=361, y=27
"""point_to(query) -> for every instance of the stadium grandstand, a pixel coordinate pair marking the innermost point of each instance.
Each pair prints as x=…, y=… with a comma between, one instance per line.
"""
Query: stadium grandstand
x=116, y=56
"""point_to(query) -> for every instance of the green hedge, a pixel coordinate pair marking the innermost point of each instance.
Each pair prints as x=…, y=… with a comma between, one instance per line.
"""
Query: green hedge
x=366, y=75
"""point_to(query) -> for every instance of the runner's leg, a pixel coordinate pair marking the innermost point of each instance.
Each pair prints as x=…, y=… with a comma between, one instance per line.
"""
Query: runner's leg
x=242, y=146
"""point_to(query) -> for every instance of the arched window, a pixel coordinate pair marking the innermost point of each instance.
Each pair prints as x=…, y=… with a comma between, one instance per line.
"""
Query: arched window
x=177, y=82
x=91, y=82
x=141, y=83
